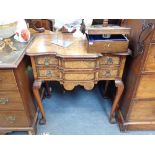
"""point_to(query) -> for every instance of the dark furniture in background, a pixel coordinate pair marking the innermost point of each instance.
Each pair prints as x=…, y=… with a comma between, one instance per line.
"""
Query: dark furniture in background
x=137, y=110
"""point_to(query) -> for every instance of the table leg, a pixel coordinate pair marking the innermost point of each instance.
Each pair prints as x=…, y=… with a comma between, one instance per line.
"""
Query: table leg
x=36, y=87
x=105, y=94
x=120, y=87
x=48, y=89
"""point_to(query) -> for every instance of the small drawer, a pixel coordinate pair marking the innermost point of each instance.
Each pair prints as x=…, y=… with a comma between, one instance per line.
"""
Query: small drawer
x=46, y=60
x=114, y=44
x=109, y=60
x=13, y=119
x=7, y=80
x=48, y=73
x=79, y=64
x=78, y=76
x=10, y=100
x=108, y=73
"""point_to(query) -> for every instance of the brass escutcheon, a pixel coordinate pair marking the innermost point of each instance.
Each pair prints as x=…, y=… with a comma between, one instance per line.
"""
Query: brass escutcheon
x=49, y=74
x=46, y=62
x=4, y=101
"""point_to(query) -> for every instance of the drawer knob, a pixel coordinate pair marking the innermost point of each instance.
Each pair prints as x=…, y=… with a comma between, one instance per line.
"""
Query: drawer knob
x=49, y=74
x=3, y=101
x=46, y=62
x=11, y=118
x=1, y=79
x=107, y=73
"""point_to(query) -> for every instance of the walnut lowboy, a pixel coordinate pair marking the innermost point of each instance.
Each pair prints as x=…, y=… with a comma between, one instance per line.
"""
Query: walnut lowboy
x=73, y=66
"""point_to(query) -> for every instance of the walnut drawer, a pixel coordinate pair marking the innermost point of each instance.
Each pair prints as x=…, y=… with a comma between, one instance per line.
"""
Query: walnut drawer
x=142, y=111
x=109, y=60
x=48, y=73
x=78, y=76
x=108, y=73
x=7, y=80
x=46, y=60
x=116, y=43
x=146, y=87
x=79, y=64
x=10, y=100
x=150, y=60
x=13, y=119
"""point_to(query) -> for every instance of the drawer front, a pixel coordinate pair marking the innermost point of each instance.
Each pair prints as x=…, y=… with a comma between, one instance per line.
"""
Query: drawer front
x=108, y=73
x=78, y=76
x=109, y=60
x=7, y=80
x=146, y=87
x=108, y=47
x=13, y=119
x=48, y=73
x=150, y=60
x=46, y=60
x=142, y=111
x=79, y=64
x=10, y=100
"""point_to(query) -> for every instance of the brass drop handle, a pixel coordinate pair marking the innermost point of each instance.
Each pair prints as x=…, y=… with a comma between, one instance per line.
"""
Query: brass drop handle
x=110, y=61
x=107, y=73
x=49, y=73
x=46, y=62
x=11, y=118
x=4, y=101
x=1, y=79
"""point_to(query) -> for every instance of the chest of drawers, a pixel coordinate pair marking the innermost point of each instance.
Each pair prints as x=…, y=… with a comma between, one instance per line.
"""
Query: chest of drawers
x=17, y=109
x=137, y=110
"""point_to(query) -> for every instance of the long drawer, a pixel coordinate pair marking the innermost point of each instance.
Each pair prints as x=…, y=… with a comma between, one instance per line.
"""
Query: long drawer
x=13, y=119
x=146, y=87
x=79, y=64
x=142, y=111
x=7, y=80
x=81, y=76
x=10, y=100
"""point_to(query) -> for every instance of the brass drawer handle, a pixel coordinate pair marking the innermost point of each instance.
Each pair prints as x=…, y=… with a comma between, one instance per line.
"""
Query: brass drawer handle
x=11, y=118
x=107, y=73
x=49, y=73
x=107, y=45
x=109, y=61
x=46, y=62
x=4, y=101
x=1, y=79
